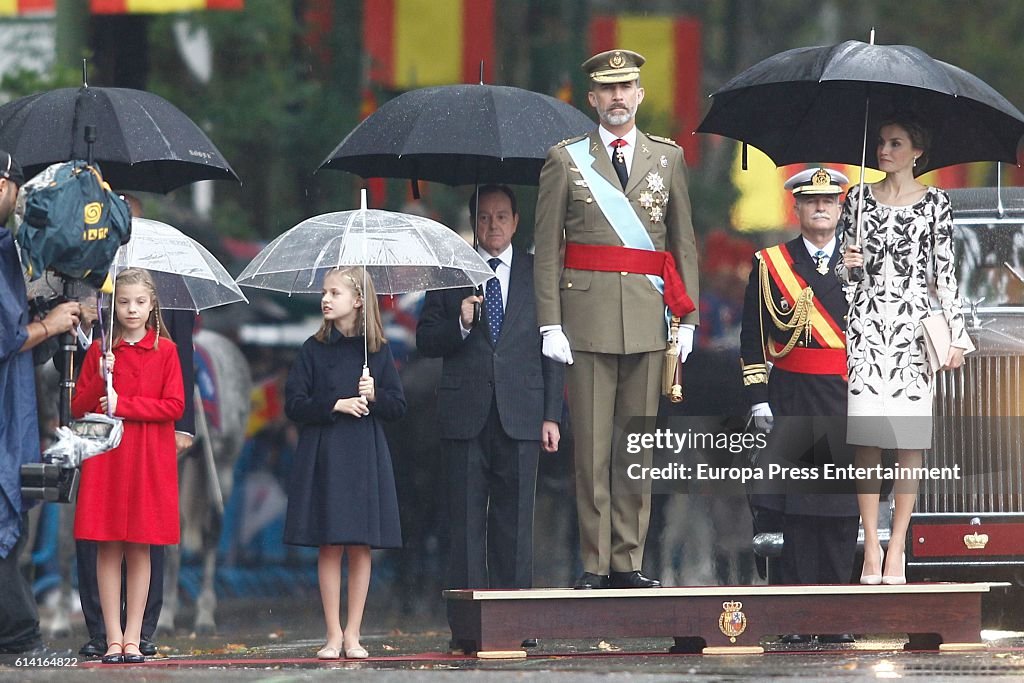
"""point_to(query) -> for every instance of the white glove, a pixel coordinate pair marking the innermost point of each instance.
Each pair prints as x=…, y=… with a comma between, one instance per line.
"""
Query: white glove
x=763, y=418
x=555, y=344
x=685, y=341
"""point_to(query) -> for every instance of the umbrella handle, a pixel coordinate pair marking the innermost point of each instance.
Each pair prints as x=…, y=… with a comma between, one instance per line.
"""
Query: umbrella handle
x=476, y=306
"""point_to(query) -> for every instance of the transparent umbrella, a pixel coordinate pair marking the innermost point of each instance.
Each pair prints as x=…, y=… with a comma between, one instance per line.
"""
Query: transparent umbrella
x=401, y=252
x=187, y=276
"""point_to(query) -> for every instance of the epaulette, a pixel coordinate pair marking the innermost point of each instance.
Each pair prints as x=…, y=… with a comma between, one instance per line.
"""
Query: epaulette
x=569, y=141
x=667, y=141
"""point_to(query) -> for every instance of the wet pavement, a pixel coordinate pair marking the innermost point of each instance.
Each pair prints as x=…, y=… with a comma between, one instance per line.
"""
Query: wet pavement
x=265, y=640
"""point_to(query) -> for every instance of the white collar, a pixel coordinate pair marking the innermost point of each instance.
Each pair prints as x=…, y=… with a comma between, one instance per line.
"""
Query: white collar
x=812, y=250
x=607, y=137
x=505, y=256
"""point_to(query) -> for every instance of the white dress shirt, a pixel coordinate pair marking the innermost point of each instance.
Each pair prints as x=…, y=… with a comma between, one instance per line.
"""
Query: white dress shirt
x=608, y=138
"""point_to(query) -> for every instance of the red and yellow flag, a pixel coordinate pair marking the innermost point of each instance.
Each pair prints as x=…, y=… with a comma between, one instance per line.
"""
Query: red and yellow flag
x=28, y=8
x=266, y=405
x=48, y=8
x=764, y=204
x=161, y=6
x=671, y=75
x=419, y=43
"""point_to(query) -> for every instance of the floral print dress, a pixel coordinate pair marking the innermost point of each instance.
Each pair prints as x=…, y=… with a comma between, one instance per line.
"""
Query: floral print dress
x=906, y=248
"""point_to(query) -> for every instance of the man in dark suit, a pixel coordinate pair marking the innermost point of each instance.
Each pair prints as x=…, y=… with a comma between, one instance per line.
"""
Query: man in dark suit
x=794, y=317
x=499, y=403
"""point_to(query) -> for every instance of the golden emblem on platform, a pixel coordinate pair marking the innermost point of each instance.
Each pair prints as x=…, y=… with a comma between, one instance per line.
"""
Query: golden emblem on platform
x=732, y=622
x=975, y=541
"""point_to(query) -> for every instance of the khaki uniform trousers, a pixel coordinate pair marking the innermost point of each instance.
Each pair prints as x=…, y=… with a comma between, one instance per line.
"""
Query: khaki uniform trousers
x=605, y=392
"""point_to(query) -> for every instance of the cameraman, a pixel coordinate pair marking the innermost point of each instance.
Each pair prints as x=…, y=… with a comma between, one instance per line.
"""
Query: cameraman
x=19, y=424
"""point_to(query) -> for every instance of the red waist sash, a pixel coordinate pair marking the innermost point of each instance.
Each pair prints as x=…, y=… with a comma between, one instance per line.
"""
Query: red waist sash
x=813, y=361
x=642, y=261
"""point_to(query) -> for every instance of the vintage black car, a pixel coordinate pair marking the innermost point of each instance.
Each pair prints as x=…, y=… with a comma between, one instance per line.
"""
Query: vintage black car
x=972, y=528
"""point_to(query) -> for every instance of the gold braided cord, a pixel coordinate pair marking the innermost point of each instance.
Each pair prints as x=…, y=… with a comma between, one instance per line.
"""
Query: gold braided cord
x=799, y=319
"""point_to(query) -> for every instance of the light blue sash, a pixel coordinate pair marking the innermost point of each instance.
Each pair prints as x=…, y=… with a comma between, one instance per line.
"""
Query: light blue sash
x=613, y=204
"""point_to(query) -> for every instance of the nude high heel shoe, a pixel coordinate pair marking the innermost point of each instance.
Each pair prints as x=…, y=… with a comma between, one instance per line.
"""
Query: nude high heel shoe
x=901, y=578
x=873, y=579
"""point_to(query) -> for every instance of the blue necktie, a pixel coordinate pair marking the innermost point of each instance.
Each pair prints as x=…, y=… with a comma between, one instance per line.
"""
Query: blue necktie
x=492, y=303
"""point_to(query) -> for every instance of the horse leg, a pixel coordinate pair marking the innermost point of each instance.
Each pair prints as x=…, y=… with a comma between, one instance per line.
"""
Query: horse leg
x=172, y=569
x=206, y=604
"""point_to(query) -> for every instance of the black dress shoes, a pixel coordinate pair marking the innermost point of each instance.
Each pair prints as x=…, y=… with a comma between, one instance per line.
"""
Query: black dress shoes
x=96, y=647
x=529, y=642
x=588, y=581
x=796, y=638
x=147, y=647
x=836, y=638
x=633, y=580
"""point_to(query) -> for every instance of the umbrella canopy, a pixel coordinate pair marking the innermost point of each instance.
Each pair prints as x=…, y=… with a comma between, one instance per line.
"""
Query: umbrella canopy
x=187, y=276
x=808, y=105
x=459, y=135
x=143, y=142
x=401, y=252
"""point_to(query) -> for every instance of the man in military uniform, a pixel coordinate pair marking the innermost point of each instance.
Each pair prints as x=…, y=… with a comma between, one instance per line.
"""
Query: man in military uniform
x=617, y=201
x=794, y=320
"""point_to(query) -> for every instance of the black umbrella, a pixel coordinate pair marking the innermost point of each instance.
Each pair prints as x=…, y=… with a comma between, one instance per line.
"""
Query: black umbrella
x=143, y=142
x=459, y=135
x=808, y=105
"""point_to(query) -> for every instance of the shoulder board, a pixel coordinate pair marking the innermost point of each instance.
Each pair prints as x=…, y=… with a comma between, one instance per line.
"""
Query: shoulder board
x=569, y=141
x=667, y=141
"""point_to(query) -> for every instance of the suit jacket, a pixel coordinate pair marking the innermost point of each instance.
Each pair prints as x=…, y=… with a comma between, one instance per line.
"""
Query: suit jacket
x=610, y=312
x=527, y=387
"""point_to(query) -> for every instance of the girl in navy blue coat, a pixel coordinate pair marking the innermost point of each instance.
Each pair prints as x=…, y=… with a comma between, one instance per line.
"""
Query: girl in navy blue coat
x=341, y=490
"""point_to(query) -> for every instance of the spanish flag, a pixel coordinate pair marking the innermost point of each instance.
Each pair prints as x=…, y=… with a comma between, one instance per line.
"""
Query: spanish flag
x=266, y=405
x=28, y=8
x=671, y=75
x=419, y=43
x=48, y=8
x=161, y=6
x=764, y=204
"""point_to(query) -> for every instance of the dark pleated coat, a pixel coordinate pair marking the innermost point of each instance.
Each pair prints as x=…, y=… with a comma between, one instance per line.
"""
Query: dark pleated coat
x=341, y=489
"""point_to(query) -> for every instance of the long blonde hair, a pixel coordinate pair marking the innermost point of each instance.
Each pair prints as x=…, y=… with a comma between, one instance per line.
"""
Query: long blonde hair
x=139, y=276
x=352, y=277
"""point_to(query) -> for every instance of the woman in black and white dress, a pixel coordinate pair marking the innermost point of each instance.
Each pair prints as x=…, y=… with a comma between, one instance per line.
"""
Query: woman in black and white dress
x=906, y=245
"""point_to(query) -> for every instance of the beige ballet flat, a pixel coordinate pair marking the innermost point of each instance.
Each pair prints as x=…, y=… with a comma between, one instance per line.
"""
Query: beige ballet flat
x=329, y=653
x=357, y=653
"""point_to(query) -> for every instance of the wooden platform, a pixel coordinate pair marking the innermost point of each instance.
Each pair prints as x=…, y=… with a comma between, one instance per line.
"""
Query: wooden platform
x=711, y=619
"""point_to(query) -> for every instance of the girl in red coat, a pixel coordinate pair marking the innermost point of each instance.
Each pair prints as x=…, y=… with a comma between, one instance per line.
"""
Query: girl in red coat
x=128, y=497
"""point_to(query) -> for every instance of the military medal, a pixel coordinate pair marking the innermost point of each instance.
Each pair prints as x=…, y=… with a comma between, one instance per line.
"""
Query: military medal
x=654, y=198
x=663, y=161
x=619, y=156
x=822, y=267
